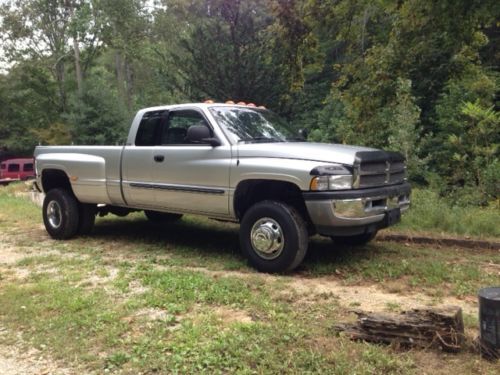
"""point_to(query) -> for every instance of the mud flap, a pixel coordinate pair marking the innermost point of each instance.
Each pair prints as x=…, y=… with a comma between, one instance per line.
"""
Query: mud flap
x=392, y=217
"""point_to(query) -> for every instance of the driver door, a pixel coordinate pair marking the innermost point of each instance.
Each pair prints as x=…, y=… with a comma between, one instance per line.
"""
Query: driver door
x=190, y=177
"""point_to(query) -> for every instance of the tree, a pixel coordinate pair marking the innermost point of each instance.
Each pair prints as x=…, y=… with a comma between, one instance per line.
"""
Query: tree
x=28, y=102
x=227, y=53
x=97, y=116
x=41, y=30
x=467, y=136
x=124, y=29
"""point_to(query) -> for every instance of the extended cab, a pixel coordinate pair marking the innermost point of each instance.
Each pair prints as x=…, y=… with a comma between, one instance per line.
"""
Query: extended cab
x=229, y=162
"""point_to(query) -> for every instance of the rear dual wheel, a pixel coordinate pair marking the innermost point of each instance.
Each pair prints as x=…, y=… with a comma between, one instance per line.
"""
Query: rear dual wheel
x=64, y=216
x=86, y=217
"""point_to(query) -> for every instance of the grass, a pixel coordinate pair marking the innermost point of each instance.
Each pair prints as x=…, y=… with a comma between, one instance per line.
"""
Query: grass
x=433, y=214
x=179, y=298
x=456, y=272
x=60, y=316
x=105, y=334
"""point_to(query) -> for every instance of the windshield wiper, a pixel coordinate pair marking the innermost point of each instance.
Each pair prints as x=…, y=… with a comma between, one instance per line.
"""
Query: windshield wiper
x=296, y=139
x=259, y=139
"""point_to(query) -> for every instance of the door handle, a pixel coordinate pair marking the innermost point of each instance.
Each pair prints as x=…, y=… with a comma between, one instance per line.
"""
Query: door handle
x=159, y=158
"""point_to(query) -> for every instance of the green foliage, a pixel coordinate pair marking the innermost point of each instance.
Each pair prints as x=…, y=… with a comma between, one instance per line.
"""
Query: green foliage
x=96, y=116
x=27, y=105
x=55, y=134
x=404, y=130
x=407, y=90
x=388, y=119
x=467, y=139
x=226, y=53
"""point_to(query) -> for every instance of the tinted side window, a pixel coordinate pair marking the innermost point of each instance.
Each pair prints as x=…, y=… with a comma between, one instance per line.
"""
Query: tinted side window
x=2, y=166
x=178, y=124
x=28, y=167
x=13, y=168
x=149, y=128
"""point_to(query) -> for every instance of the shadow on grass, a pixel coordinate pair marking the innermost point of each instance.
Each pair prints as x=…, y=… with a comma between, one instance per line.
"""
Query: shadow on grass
x=199, y=237
x=188, y=238
x=324, y=257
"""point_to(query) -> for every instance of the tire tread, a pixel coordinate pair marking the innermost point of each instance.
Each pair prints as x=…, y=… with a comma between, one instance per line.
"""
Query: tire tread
x=70, y=212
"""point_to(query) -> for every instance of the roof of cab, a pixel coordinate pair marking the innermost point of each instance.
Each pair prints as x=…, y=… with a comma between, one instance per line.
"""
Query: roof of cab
x=199, y=105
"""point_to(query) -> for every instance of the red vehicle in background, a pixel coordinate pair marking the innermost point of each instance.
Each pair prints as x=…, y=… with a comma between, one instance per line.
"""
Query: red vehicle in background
x=16, y=169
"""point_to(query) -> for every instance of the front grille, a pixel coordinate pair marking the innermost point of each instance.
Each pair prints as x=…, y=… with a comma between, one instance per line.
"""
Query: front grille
x=378, y=168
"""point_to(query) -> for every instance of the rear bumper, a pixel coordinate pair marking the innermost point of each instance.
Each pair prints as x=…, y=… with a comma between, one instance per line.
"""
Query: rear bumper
x=354, y=212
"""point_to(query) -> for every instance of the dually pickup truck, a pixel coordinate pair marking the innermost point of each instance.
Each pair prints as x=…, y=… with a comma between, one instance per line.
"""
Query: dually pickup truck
x=229, y=162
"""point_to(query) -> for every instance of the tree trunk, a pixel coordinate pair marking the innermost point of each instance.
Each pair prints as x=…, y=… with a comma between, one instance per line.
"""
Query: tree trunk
x=60, y=78
x=120, y=74
x=78, y=69
x=129, y=80
x=70, y=8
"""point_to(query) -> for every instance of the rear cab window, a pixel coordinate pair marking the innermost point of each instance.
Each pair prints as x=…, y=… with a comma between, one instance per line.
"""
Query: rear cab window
x=150, y=128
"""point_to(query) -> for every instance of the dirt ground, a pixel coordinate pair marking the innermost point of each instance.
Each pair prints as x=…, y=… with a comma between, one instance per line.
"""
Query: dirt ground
x=19, y=358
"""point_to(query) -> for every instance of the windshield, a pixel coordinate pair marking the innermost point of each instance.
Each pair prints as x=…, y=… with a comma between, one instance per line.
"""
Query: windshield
x=252, y=124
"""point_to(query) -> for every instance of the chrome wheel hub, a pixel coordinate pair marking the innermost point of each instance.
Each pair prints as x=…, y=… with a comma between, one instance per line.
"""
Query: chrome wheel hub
x=54, y=214
x=267, y=238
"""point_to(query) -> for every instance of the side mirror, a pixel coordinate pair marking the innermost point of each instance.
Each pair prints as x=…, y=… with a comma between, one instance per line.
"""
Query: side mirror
x=201, y=134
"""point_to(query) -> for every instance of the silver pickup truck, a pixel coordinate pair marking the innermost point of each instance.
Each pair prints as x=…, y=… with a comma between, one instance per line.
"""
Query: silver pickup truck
x=238, y=163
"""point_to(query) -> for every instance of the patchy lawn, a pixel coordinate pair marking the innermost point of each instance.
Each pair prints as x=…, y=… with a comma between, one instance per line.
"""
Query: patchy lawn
x=137, y=297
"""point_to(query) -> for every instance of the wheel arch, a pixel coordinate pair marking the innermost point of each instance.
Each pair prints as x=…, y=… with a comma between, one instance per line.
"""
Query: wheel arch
x=55, y=178
x=251, y=191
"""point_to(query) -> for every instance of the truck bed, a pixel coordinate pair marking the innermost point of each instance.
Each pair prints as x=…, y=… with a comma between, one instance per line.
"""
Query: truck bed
x=94, y=171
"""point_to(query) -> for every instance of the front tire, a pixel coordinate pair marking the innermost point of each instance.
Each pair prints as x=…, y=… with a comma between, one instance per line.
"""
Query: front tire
x=60, y=214
x=273, y=237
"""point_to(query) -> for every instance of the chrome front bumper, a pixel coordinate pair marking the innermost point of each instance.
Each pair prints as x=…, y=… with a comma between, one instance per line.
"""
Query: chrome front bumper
x=357, y=211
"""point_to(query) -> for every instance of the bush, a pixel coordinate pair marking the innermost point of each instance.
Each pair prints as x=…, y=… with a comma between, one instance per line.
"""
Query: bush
x=430, y=212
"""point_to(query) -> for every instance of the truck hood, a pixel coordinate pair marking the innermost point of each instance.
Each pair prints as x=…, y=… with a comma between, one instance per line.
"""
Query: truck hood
x=322, y=152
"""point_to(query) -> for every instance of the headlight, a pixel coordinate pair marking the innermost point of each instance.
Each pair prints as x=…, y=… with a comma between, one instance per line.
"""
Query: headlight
x=322, y=183
x=331, y=177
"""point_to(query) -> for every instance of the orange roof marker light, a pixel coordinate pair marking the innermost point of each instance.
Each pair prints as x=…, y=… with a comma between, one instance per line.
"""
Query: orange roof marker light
x=209, y=101
x=229, y=102
x=261, y=107
x=251, y=105
x=242, y=103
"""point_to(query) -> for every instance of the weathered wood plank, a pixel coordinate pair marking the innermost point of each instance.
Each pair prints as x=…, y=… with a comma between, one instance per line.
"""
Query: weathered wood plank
x=438, y=327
